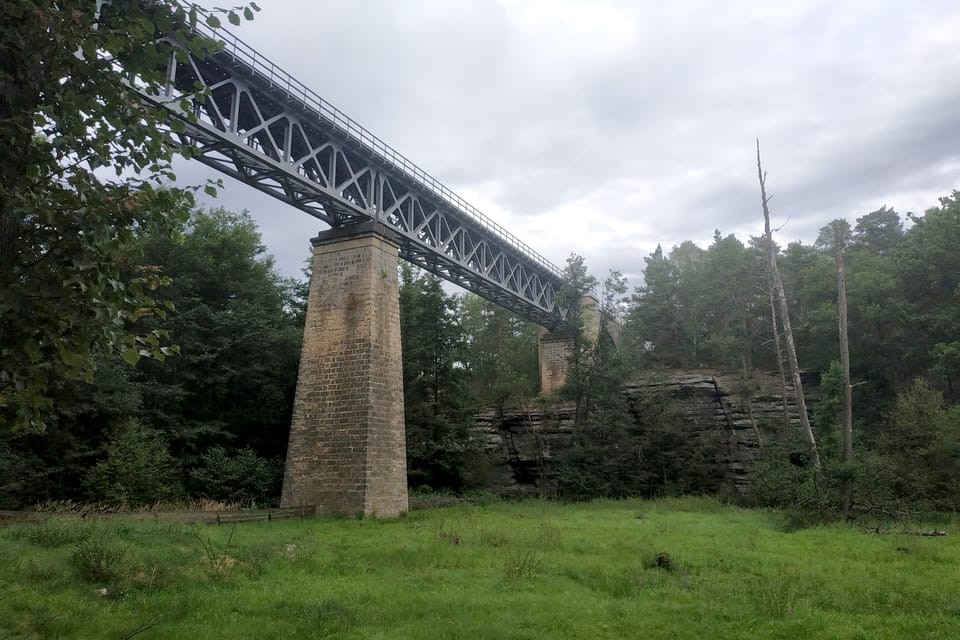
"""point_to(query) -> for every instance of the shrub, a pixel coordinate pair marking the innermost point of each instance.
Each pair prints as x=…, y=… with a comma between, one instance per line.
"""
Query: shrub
x=242, y=478
x=138, y=469
x=781, y=479
x=917, y=455
x=102, y=559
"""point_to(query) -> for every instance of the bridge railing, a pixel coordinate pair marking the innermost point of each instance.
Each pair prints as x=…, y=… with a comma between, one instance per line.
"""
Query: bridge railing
x=275, y=76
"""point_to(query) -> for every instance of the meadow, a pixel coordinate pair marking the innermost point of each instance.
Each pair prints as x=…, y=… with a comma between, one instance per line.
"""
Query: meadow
x=684, y=568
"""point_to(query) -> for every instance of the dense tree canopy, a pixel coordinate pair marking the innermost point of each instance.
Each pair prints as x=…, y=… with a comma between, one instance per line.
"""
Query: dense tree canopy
x=500, y=353
x=708, y=307
x=219, y=409
x=75, y=134
x=239, y=334
x=438, y=403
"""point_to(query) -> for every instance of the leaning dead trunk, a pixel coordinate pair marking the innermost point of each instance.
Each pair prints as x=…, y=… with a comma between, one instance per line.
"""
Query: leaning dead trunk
x=785, y=319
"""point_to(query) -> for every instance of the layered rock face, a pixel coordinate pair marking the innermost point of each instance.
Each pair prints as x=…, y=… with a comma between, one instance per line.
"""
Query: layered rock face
x=525, y=443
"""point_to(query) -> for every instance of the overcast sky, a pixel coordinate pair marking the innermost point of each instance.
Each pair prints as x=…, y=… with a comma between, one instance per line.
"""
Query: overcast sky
x=608, y=127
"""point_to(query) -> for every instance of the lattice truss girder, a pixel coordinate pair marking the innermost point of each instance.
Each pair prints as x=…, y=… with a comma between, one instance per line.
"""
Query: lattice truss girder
x=257, y=131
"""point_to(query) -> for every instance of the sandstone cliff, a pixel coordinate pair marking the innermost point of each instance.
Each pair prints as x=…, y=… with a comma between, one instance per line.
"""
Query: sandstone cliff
x=524, y=443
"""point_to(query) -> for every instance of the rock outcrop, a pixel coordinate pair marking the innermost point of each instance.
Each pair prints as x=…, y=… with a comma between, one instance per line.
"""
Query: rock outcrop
x=524, y=443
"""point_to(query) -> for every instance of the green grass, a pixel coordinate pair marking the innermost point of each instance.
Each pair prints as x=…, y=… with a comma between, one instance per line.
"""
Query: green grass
x=506, y=570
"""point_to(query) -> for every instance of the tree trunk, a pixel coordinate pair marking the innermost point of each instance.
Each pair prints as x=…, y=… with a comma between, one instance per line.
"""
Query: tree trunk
x=748, y=399
x=846, y=487
x=779, y=349
x=787, y=330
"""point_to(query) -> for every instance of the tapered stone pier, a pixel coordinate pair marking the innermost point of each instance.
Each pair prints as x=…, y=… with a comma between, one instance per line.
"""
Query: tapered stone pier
x=347, y=451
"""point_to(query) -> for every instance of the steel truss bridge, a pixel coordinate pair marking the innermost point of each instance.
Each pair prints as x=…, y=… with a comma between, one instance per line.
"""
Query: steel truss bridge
x=257, y=123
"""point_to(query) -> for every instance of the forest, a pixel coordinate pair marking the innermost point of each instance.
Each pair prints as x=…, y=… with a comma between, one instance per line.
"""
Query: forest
x=149, y=349
x=211, y=419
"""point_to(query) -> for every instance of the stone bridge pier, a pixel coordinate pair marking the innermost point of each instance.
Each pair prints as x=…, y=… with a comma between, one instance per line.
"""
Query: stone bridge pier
x=554, y=347
x=347, y=448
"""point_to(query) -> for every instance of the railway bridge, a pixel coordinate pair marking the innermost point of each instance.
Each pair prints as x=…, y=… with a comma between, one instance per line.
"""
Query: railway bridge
x=247, y=118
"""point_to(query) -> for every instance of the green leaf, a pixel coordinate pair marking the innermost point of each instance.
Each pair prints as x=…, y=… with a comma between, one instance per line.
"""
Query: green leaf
x=213, y=21
x=71, y=359
x=233, y=18
x=130, y=356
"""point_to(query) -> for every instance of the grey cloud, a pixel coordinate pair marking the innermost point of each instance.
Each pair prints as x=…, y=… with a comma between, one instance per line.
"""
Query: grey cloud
x=646, y=124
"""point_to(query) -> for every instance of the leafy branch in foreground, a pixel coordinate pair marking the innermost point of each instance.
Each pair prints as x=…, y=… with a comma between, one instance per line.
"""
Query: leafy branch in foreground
x=69, y=285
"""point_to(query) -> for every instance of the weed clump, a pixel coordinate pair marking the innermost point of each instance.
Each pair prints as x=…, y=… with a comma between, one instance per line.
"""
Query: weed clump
x=493, y=538
x=522, y=565
x=450, y=534
x=102, y=559
x=218, y=560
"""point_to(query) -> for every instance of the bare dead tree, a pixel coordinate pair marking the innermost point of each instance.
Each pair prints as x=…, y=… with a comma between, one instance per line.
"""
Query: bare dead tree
x=847, y=429
x=785, y=320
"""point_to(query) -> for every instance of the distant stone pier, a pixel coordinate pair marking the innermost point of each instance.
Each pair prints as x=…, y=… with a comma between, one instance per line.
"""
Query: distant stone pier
x=554, y=347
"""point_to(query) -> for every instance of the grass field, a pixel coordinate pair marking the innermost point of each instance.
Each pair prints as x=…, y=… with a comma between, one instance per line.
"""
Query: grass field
x=507, y=570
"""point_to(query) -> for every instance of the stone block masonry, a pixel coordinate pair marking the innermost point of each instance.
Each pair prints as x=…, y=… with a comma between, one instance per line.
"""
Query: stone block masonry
x=554, y=349
x=553, y=355
x=347, y=449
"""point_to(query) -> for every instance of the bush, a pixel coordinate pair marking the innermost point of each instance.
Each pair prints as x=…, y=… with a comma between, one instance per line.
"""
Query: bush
x=910, y=466
x=138, y=469
x=242, y=478
x=102, y=559
x=778, y=482
x=917, y=455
